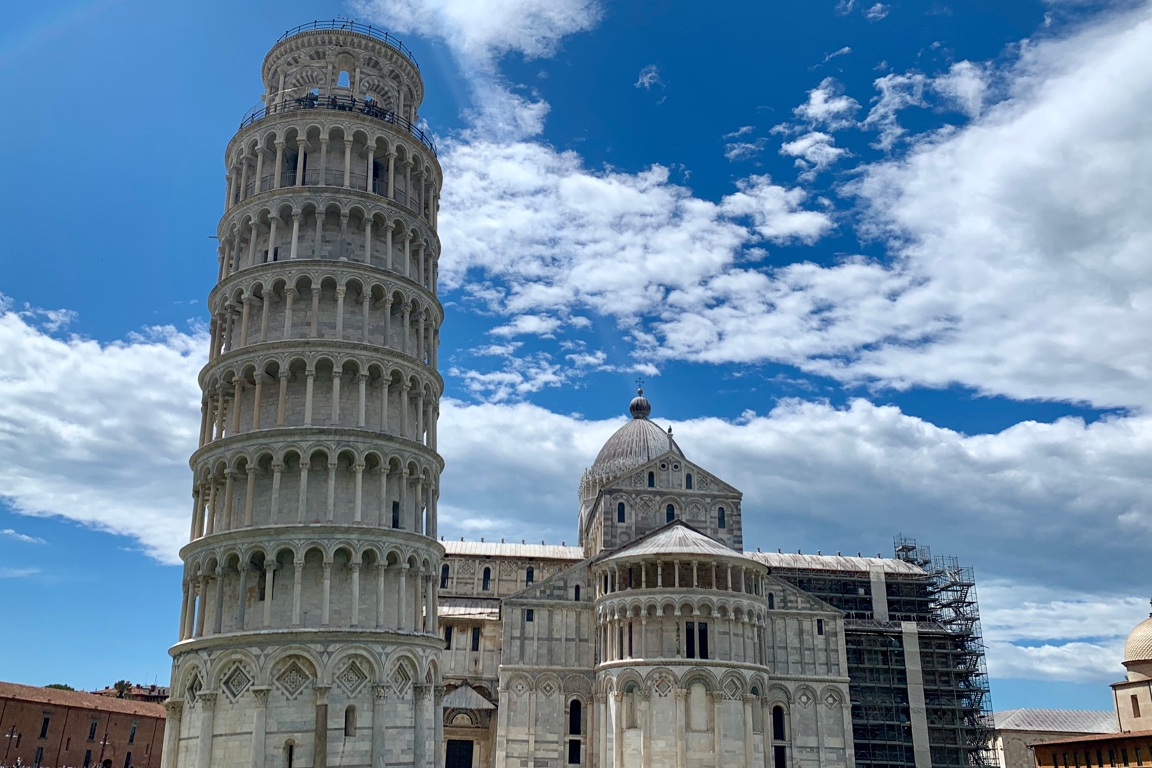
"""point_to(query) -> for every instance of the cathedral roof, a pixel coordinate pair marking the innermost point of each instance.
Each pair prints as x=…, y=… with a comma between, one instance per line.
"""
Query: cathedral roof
x=676, y=538
x=1057, y=720
x=834, y=563
x=512, y=549
x=466, y=697
x=637, y=442
x=1138, y=647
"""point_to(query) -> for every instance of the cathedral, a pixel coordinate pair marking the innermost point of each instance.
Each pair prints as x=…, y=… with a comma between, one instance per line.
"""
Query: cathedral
x=324, y=622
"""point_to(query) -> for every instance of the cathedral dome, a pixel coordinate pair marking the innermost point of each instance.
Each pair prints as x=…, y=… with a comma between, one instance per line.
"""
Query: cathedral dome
x=1138, y=647
x=637, y=442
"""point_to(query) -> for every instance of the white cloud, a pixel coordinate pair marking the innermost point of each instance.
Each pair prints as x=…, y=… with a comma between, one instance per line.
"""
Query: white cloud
x=100, y=433
x=21, y=537
x=18, y=573
x=877, y=12
x=561, y=236
x=79, y=447
x=535, y=325
x=478, y=34
x=743, y=150
x=814, y=151
x=483, y=31
x=841, y=52
x=828, y=106
x=649, y=76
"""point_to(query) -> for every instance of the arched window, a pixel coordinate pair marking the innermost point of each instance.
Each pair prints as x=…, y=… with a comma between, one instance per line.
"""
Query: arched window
x=688, y=481
x=530, y=576
x=620, y=512
x=670, y=513
x=721, y=518
x=342, y=80
x=651, y=479
x=444, y=577
x=771, y=601
x=574, y=718
x=487, y=579
x=289, y=753
x=350, y=721
x=778, y=723
x=576, y=593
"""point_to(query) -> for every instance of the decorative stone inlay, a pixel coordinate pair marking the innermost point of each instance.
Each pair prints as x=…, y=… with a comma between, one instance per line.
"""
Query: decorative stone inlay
x=292, y=680
x=732, y=689
x=831, y=700
x=352, y=678
x=662, y=687
x=804, y=699
x=519, y=688
x=237, y=682
x=401, y=680
x=194, y=689
x=638, y=480
x=547, y=688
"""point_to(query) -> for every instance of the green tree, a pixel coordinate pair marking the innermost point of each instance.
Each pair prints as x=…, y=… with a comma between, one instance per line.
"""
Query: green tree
x=122, y=687
x=60, y=687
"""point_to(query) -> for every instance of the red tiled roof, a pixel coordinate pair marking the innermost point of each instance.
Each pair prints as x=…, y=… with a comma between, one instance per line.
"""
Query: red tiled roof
x=79, y=700
x=1118, y=736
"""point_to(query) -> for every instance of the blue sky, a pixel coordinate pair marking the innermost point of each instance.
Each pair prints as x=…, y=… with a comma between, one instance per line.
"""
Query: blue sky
x=884, y=266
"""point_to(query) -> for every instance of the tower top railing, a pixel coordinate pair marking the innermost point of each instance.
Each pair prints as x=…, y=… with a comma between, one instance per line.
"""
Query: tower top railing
x=340, y=104
x=348, y=25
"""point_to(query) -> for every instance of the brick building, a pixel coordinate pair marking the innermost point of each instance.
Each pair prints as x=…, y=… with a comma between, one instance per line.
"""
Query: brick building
x=53, y=728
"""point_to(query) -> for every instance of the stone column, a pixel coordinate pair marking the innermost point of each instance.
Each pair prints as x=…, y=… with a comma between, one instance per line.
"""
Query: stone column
x=279, y=164
x=337, y=377
x=301, y=145
x=277, y=472
x=749, y=702
x=323, y=182
x=295, y=249
x=419, y=744
x=242, y=601
x=282, y=403
x=358, y=510
x=362, y=403
x=380, y=569
x=269, y=581
x=718, y=726
x=331, y=511
x=618, y=729
x=766, y=731
x=379, y=699
x=438, y=734
x=391, y=176
x=402, y=597
x=326, y=604
x=259, y=185
x=258, y=396
x=229, y=479
x=355, y=570
x=309, y=387
x=368, y=240
x=347, y=163
x=184, y=607
x=207, y=702
x=646, y=722
x=314, y=327
x=317, y=247
x=218, y=602
x=259, y=725
x=297, y=587
x=304, y=467
x=289, y=295
x=250, y=495
x=174, y=711
x=320, y=734
x=681, y=699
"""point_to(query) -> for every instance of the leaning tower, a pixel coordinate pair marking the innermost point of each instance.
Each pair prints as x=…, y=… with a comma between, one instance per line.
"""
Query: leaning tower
x=308, y=630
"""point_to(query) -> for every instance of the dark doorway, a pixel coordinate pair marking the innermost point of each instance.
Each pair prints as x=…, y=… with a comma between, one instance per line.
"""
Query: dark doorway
x=459, y=754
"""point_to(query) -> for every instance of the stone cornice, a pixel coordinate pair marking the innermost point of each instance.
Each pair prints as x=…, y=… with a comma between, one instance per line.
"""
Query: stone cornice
x=272, y=638
x=286, y=435
x=328, y=193
x=366, y=349
x=262, y=534
x=282, y=269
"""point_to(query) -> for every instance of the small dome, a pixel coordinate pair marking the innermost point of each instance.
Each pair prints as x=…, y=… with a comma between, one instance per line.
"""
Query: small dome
x=637, y=442
x=1138, y=647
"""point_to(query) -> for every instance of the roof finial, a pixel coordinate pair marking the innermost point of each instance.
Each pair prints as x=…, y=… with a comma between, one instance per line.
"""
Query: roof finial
x=640, y=408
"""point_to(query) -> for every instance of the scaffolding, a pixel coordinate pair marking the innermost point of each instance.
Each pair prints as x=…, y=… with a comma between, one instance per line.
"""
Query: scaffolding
x=956, y=688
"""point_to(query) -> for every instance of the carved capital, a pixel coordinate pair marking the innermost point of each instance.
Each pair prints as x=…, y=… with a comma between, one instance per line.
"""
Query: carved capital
x=320, y=692
x=206, y=699
x=261, y=694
